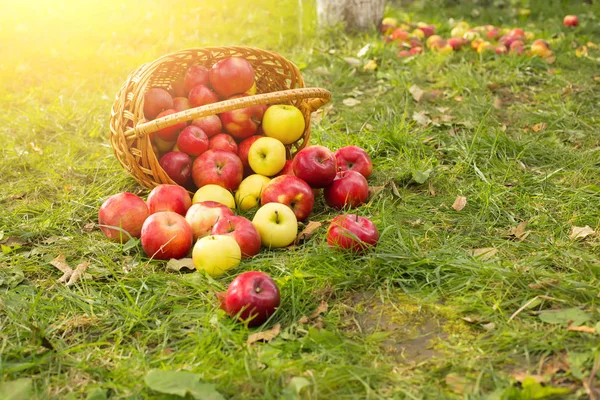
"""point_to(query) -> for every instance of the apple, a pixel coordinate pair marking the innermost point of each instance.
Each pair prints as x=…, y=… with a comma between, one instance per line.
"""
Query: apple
x=181, y=104
x=349, y=189
x=352, y=232
x=216, y=254
x=288, y=168
x=211, y=124
x=242, y=230
x=242, y=122
x=291, y=191
x=231, y=76
x=165, y=197
x=122, y=215
x=177, y=87
x=388, y=24
x=248, y=194
x=404, y=53
x=201, y=95
x=156, y=100
x=204, y=215
x=399, y=35
x=283, y=122
x=223, y=141
x=501, y=49
x=517, y=47
x=218, y=167
x=252, y=296
x=214, y=193
x=276, y=224
x=178, y=166
x=571, y=21
x=315, y=165
x=243, y=148
x=267, y=156
x=192, y=141
x=169, y=133
x=433, y=41
x=163, y=146
x=194, y=76
x=541, y=48
x=166, y=235
x=456, y=42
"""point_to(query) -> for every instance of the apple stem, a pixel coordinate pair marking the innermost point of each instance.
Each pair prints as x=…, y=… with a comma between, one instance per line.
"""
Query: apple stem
x=230, y=226
x=356, y=215
x=276, y=216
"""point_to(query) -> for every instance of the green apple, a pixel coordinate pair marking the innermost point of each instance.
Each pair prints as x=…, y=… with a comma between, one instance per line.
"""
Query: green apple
x=266, y=156
x=216, y=254
x=248, y=193
x=276, y=224
x=284, y=123
x=212, y=192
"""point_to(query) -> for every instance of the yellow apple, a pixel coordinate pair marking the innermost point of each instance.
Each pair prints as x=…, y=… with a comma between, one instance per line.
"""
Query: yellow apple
x=284, y=123
x=276, y=224
x=216, y=254
x=266, y=156
x=216, y=193
x=248, y=193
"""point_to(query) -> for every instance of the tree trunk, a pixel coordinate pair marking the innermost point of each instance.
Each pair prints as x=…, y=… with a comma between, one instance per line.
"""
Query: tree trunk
x=354, y=14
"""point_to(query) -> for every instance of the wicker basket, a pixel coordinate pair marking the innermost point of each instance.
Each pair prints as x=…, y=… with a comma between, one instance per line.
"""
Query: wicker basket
x=278, y=81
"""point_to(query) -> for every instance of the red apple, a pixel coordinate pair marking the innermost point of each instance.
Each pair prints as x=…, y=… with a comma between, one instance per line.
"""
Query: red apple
x=352, y=232
x=178, y=166
x=349, y=189
x=252, y=296
x=192, y=141
x=243, y=148
x=211, y=125
x=169, y=133
x=242, y=230
x=201, y=95
x=165, y=197
x=354, y=158
x=181, y=104
x=194, y=76
x=203, y=216
x=231, y=76
x=288, y=168
x=571, y=21
x=223, y=141
x=456, y=43
x=291, y=191
x=517, y=47
x=166, y=235
x=399, y=35
x=218, y=167
x=315, y=165
x=243, y=122
x=122, y=215
x=156, y=100
x=177, y=88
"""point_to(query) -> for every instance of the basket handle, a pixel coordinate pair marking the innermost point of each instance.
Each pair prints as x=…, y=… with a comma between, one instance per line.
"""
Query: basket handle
x=313, y=98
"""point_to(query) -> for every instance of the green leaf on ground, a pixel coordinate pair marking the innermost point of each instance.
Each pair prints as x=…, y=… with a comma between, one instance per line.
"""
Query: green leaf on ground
x=181, y=383
x=421, y=176
x=20, y=389
x=573, y=315
x=294, y=388
x=97, y=394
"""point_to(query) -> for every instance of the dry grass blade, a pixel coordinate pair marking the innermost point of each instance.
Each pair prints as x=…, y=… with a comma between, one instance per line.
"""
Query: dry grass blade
x=321, y=309
x=61, y=264
x=265, y=336
x=78, y=273
x=460, y=203
x=585, y=329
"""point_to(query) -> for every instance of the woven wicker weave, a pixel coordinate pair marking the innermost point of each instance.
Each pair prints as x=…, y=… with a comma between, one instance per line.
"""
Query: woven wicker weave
x=278, y=81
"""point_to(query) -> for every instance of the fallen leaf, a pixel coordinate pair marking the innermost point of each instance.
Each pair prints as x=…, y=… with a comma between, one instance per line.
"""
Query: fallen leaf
x=308, y=231
x=178, y=264
x=421, y=118
x=11, y=241
x=60, y=263
x=544, y=284
x=416, y=92
x=443, y=110
x=592, y=45
x=458, y=384
x=181, y=384
x=550, y=60
x=585, y=329
x=519, y=231
x=321, y=309
x=16, y=196
x=355, y=62
x=394, y=189
x=497, y=103
x=88, y=227
x=371, y=65
x=582, y=52
x=484, y=253
x=363, y=51
x=459, y=203
x=78, y=273
x=568, y=316
x=458, y=98
x=265, y=336
x=520, y=376
x=578, y=232
x=374, y=190
x=303, y=320
x=35, y=148
x=351, y=102
x=490, y=326
x=539, y=127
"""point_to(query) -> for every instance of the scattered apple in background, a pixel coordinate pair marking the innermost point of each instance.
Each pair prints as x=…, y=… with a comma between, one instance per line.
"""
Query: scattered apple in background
x=291, y=191
x=156, y=100
x=276, y=224
x=218, y=167
x=178, y=166
x=201, y=95
x=283, y=122
x=216, y=254
x=571, y=21
x=315, y=165
x=194, y=76
x=231, y=76
x=165, y=197
x=192, y=141
x=242, y=230
x=169, y=133
x=243, y=148
x=352, y=232
x=223, y=141
x=354, y=158
x=215, y=193
x=252, y=296
x=126, y=212
x=248, y=193
x=181, y=104
x=267, y=156
x=166, y=235
x=541, y=48
x=211, y=125
x=242, y=122
x=349, y=189
x=203, y=216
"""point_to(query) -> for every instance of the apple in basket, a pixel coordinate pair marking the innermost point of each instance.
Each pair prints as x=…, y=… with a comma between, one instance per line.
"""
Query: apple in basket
x=156, y=100
x=252, y=296
x=201, y=95
x=166, y=235
x=283, y=122
x=243, y=148
x=165, y=197
x=192, y=141
x=178, y=166
x=194, y=76
x=242, y=122
x=169, y=133
x=122, y=215
x=223, y=141
x=181, y=104
x=218, y=167
x=232, y=75
x=211, y=124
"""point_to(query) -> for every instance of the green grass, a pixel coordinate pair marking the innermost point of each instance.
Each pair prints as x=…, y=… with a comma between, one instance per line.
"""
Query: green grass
x=418, y=318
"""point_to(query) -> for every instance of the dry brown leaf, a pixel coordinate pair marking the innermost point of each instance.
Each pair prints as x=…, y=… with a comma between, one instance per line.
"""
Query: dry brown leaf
x=60, y=263
x=78, y=273
x=265, y=336
x=374, y=190
x=354, y=62
x=539, y=127
x=498, y=103
x=16, y=196
x=520, y=376
x=544, y=284
x=394, y=189
x=88, y=227
x=416, y=92
x=443, y=110
x=519, y=231
x=585, y=329
x=582, y=52
x=308, y=231
x=458, y=98
x=578, y=232
x=303, y=320
x=35, y=148
x=458, y=384
x=459, y=203
x=484, y=253
x=321, y=309
x=351, y=102
x=597, y=78
x=421, y=118
x=550, y=60
x=431, y=190
x=178, y=264
x=13, y=241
